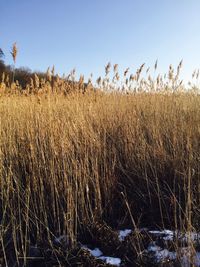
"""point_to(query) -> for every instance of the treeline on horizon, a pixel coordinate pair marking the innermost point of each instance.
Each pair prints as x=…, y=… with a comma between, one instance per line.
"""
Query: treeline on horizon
x=144, y=79
x=22, y=74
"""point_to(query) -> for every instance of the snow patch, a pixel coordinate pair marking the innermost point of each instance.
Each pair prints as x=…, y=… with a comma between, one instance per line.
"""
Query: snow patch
x=160, y=254
x=94, y=252
x=187, y=256
x=166, y=234
x=124, y=233
x=99, y=254
x=171, y=235
x=111, y=260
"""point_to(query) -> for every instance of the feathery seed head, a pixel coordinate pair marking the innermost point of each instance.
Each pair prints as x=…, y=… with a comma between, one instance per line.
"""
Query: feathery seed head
x=14, y=52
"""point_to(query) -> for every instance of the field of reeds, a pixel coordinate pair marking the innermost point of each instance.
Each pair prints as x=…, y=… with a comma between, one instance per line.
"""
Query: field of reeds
x=77, y=158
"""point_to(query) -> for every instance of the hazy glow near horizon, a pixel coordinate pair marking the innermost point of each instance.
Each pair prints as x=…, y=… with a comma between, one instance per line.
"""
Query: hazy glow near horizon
x=86, y=34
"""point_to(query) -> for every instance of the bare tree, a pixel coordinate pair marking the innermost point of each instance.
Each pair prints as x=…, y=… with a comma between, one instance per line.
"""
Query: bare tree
x=1, y=53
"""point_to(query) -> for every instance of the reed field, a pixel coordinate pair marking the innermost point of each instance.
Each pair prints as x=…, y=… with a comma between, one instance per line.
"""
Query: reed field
x=77, y=157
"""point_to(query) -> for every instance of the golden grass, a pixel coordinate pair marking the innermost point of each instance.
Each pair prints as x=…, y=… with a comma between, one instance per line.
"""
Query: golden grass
x=71, y=159
x=62, y=159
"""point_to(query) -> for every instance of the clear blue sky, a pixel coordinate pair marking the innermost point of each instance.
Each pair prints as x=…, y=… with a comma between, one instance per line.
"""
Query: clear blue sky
x=86, y=34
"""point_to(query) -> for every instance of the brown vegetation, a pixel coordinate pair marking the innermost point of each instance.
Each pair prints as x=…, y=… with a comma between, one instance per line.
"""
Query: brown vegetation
x=72, y=155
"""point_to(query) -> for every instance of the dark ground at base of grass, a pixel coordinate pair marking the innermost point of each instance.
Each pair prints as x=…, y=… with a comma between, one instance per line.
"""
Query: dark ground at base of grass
x=95, y=235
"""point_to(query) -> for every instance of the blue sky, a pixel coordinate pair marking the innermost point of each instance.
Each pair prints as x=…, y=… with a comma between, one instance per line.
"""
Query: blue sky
x=86, y=34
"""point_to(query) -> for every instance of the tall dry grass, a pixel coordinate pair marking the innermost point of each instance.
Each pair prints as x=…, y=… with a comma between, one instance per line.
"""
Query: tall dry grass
x=122, y=157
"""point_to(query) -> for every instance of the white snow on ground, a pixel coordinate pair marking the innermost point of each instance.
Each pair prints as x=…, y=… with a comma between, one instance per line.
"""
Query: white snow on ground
x=185, y=255
x=94, y=252
x=99, y=254
x=124, y=233
x=189, y=258
x=161, y=254
x=171, y=235
x=153, y=247
x=189, y=236
x=111, y=260
x=168, y=234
